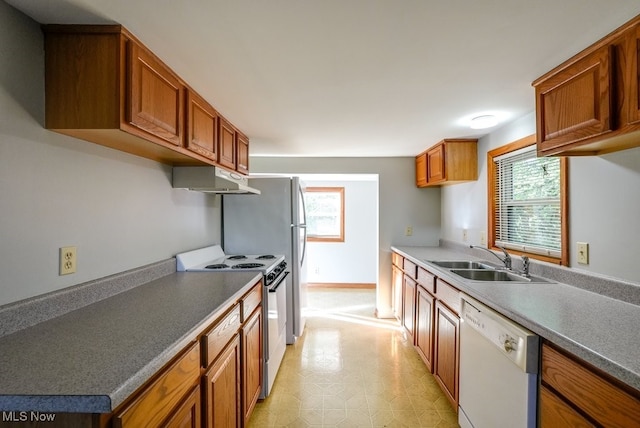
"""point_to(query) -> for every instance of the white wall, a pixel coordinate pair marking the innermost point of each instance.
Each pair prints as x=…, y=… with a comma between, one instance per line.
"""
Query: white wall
x=355, y=260
x=401, y=204
x=604, y=205
x=119, y=210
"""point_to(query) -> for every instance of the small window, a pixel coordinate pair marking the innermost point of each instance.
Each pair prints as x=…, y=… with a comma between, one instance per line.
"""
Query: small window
x=527, y=202
x=325, y=214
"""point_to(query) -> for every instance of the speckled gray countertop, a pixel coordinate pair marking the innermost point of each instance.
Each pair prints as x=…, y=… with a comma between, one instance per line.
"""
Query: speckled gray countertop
x=93, y=358
x=599, y=329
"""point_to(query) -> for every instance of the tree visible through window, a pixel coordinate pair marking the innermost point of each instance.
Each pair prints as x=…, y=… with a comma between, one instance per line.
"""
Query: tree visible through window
x=325, y=213
x=527, y=201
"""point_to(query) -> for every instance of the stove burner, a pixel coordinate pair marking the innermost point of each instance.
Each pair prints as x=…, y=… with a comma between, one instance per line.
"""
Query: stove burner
x=266, y=257
x=238, y=257
x=247, y=266
x=217, y=266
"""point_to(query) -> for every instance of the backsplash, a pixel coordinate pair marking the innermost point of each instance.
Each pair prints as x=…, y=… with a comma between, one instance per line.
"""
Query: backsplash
x=28, y=312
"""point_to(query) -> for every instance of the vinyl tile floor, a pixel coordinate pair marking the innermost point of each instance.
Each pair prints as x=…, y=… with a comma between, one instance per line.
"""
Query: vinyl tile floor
x=350, y=370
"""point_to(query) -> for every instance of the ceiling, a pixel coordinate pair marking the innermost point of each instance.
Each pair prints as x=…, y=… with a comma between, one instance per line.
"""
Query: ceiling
x=355, y=77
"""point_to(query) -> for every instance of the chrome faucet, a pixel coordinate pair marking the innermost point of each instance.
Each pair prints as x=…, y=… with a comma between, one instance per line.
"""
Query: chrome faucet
x=525, y=266
x=507, y=258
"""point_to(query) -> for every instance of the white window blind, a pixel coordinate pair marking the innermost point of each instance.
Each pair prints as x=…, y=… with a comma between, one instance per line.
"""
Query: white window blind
x=527, y=202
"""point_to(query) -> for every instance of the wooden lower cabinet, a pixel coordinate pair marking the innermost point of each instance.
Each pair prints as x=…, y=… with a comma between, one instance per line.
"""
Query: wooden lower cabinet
x=163, y=399
x=447, y=351
x=554, y=412
x=222, y=391
x=574, y=394
x=408, y=306
x=396, y=285
x=189, y=413
x=252, y=362
x=424, y=326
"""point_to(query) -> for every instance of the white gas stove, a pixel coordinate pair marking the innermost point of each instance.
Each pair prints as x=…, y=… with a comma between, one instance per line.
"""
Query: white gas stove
x=274, y=301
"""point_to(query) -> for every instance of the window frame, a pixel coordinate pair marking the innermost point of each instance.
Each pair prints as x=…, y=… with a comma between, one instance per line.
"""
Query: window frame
x=328, y=238
x=564, y=204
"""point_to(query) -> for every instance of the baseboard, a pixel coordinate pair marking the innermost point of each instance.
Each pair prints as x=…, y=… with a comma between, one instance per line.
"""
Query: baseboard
x=342, y=285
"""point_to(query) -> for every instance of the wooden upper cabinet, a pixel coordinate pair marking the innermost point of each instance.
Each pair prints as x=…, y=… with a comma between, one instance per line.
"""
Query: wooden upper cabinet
x=155, y=96
x=202, y=127
x=242, y=149
x=448, y=162
x=590, y=104
x=227, y=144
x=421, y=169
x=575, y=104
x=629, y=59
x=104, y=86
x=435, y=164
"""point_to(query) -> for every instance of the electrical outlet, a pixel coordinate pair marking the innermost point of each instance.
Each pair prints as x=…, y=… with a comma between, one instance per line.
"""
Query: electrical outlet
x=465, y=235
x=68, y=261
x=408, y=231
x=483, y=238
x=583, y=253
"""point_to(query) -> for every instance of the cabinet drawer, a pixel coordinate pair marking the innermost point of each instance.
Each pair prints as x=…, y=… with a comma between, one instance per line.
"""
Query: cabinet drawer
x=222, y=332
x=160, y=398
x=409, y=268
x=449, y=295
x=251, y=301
x=427, y=280
x=593, y=394
x=397, y=259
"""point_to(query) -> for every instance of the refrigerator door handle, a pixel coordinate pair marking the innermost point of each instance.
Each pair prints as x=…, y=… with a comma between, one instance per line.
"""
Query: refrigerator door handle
x=304, y=244
x=304, y=241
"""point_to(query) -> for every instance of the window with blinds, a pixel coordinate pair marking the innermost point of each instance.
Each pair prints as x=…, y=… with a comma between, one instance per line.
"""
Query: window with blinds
x=527, y=202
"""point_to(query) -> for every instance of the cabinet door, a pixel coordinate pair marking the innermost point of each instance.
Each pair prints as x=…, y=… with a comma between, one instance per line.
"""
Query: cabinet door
x=421, y=170
x=227, y=144
x=252, y=362
x=155, y=96
x=435, y=164
x=222, y=389
x=188, y=414
x=597, y=396
x=408, y=305
x=158, y=399
x=632, y=69
x=396, y=284
x=242, y=146
x=554, y=412
x=424, y=326
x=575, y=103
x=202, y=127
x=447, y=352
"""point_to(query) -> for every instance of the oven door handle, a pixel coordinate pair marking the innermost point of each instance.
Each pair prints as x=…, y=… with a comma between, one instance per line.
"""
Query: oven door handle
x=273, y=288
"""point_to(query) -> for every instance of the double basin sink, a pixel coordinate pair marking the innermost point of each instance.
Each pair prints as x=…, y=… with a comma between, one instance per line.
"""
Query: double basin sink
x=478, y=271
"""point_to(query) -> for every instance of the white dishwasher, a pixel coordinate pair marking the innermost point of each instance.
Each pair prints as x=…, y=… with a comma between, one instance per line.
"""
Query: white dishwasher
x=498, y=370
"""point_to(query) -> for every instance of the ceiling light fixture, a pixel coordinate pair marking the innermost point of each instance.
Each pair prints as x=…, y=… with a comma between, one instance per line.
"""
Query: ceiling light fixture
x=483, y=122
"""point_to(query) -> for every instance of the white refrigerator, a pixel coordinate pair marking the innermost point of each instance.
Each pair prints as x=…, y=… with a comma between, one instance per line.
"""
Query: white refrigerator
x=272, y=222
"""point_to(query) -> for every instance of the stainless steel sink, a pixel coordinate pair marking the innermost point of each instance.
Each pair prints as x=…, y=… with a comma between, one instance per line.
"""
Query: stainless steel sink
x=486, y=275
x=461, y=264
x=494, y=275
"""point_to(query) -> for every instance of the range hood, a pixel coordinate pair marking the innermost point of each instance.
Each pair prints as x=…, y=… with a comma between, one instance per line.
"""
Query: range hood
x=211, y=179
